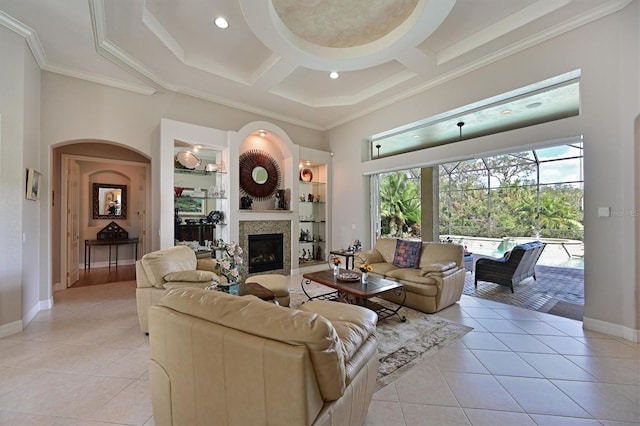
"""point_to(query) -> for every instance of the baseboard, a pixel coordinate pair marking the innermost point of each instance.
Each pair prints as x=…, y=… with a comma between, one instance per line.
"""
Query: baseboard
x=611, y=329
x=31, y=314
x=10, y=329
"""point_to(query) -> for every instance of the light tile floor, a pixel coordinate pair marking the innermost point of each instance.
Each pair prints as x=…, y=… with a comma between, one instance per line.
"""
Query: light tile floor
x=84, y=362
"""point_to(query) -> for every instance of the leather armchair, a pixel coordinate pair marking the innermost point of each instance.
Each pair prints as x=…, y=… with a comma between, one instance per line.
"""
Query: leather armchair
x=223, y=359
x=174, y=267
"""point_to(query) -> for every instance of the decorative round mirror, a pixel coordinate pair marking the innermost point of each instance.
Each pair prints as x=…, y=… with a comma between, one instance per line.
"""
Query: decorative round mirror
x=259, y=174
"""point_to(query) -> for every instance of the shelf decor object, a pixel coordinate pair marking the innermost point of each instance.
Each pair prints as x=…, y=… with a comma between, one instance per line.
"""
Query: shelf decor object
x=187, y=160
x=259, y=174
x=306, y=175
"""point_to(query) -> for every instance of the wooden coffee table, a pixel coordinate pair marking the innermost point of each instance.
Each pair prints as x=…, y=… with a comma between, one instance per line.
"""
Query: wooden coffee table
x=355, y=292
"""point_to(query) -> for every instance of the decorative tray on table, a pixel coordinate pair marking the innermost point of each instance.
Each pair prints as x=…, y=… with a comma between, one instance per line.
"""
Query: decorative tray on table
x=348, y=276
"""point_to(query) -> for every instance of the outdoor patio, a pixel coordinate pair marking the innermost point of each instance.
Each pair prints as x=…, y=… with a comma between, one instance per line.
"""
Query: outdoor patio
x=558, y=291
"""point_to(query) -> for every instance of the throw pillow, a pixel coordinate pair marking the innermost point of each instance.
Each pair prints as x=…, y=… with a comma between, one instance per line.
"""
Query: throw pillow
x=407, y=254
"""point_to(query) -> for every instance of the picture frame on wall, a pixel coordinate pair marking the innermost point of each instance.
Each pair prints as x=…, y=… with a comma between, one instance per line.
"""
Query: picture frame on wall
x=32, y=190
x=188, y=206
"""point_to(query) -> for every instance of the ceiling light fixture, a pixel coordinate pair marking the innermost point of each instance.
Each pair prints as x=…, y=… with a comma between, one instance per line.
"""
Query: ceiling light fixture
x=333, y=75
x=460, y=124
x=262, y=133
x=221, y=23
x=506, y=112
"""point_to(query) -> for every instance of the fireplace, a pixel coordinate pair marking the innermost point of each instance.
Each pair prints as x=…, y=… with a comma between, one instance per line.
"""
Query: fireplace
x=265, y=252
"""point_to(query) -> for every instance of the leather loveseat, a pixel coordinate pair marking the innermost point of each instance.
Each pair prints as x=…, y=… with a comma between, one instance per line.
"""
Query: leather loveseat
x=223, y=359
x=433, y=283
x=173, y=267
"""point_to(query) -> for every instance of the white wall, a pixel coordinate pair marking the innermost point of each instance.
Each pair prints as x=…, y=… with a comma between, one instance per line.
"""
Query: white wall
x=19, y=149
x=607, y=53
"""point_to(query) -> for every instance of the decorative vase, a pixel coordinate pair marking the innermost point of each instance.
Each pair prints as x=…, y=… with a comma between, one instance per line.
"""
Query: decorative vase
x=364, y=278
x=336, y=270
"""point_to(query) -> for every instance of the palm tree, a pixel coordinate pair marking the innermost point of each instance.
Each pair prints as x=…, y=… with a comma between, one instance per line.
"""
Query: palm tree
x=399, y=201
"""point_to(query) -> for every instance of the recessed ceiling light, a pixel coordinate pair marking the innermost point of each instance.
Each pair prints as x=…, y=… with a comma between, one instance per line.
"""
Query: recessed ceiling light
x=506, y=112
x=221, y=23
x=415, y=136
x=262, y=133
x=333, y=75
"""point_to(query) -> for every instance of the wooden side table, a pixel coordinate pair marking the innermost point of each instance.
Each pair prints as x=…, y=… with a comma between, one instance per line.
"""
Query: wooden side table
x=348, y=255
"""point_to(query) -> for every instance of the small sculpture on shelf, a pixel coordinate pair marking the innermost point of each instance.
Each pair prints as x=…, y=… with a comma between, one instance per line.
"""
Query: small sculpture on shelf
x=302, y=197
x=281, y=202
x=246, y=202
x=310, y=198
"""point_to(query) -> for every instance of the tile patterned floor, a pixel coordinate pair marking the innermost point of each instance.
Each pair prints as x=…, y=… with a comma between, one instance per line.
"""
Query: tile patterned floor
x=84, y=362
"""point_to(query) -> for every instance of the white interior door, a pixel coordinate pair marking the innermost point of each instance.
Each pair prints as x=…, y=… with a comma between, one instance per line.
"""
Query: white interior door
x=73, y=222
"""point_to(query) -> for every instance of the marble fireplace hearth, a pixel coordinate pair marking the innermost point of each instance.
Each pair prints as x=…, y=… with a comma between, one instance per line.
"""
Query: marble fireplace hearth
x=260, y=227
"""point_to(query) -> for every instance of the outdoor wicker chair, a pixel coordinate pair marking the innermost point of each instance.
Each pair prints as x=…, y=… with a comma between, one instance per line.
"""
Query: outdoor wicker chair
x=515, y=266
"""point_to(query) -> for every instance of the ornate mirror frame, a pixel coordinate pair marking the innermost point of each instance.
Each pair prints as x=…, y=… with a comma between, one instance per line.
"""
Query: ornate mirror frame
x=259, y=174
x=101, y=191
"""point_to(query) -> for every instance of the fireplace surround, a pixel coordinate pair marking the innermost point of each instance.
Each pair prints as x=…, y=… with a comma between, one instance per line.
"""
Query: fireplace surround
x=266, y=252
x=267, y=227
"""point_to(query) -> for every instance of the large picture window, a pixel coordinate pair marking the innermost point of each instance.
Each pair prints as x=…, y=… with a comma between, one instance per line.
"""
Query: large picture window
x=536, y=194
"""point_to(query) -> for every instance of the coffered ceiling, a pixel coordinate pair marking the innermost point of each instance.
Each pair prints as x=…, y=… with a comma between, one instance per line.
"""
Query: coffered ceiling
x=276, y=55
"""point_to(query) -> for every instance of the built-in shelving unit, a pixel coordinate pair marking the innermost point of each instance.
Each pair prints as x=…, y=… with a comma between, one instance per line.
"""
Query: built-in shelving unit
x=312, y=213
x=200, y=196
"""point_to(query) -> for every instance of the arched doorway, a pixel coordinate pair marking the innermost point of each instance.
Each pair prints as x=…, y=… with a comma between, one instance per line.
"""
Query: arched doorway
x=76, y=165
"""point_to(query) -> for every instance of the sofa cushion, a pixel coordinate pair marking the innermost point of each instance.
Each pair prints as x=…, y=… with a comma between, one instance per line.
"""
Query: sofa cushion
x=437, y=267
x=407, y=253
x=429, y=288
x=353, y=326
x=383, y=268
x=387, y=248
x=159, y=263
x=191, y=276
x=443, y=253
x=208, y=265
x=184, y=284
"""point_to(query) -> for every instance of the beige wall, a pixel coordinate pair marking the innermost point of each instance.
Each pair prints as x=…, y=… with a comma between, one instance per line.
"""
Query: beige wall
x=21, y=233
x=607, y=53
x=75, y=110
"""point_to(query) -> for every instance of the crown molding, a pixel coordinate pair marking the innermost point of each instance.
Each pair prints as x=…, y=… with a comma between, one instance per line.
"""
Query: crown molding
x=245, y=107
x=500, y=28
x=113, y=53
x=29, y=35
x=100, y=79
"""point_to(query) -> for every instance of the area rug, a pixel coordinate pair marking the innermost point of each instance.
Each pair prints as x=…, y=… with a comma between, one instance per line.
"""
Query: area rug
x=402, y=345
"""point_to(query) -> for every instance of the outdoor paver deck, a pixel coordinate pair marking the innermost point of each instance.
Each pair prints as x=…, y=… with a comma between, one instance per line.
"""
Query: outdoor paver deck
x=566, y=284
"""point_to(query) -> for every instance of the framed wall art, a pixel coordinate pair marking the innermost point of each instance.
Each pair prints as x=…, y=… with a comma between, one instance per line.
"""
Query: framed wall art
x=32, y=190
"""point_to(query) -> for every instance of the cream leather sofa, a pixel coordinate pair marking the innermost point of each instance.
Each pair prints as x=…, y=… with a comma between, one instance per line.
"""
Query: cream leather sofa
x=437, y=281
x=230, y=360
x=174, y=267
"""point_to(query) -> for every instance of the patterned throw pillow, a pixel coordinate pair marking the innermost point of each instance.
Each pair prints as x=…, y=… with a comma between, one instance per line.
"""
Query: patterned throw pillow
x=407, y=254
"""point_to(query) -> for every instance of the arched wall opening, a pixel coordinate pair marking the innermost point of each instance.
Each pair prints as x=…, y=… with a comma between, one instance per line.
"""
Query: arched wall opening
x=110, y=161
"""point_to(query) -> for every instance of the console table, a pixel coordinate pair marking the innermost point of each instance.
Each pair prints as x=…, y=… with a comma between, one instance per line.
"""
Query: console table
x=90, y=243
